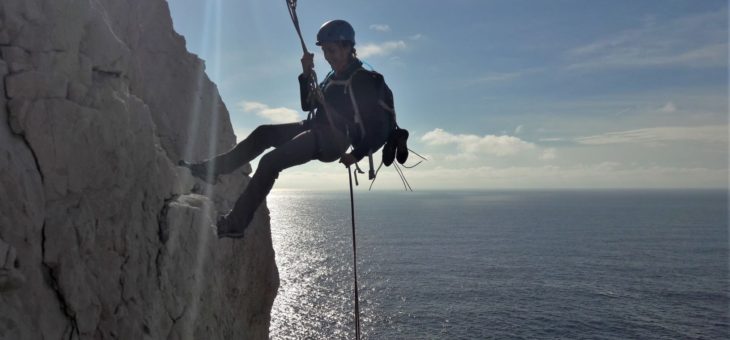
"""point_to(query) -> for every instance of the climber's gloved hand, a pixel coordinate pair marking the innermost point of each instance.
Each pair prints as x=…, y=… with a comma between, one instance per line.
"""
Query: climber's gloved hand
x=348, y=159
x=307, y=63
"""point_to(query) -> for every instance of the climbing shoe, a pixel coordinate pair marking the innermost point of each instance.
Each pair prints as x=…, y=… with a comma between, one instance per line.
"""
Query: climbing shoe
x=224, y=228
x=198, y=170
x=401, y=148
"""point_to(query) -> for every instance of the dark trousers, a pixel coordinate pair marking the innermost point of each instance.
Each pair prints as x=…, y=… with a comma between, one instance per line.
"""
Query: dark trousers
x=294, y=144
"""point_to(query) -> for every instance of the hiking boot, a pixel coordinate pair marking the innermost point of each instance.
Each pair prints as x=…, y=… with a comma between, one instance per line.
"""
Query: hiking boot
x=226, y=229
x=401, y=153
x=199, y=170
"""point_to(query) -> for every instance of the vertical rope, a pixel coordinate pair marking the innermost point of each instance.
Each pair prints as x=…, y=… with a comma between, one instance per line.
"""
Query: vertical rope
x=314, y=88
x=354, y=258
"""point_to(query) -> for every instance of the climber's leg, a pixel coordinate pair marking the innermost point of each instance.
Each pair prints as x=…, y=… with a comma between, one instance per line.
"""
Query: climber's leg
x=262, y=138
x=301, y=149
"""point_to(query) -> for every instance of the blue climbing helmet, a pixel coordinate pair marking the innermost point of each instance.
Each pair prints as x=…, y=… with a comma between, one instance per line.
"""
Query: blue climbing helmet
x=335, y=30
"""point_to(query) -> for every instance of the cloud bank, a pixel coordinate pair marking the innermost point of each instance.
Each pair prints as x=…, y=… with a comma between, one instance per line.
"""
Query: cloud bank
x=382, y=49
x=706, y=134
x=380, y=27
x=473, y=145
x=277, y=115
x=696, y=41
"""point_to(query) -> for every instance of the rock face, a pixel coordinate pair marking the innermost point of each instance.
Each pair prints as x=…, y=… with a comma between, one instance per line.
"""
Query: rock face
x=101, y=235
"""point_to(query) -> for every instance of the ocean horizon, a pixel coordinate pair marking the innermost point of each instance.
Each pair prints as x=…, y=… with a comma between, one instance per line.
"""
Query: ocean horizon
x=476, y=264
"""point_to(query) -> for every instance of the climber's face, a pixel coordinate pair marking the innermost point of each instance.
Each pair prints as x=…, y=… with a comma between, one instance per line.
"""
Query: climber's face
x=338, y=55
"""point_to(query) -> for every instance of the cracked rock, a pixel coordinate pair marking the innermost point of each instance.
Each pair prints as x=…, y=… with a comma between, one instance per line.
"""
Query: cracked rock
x=10, y=277
x=100, y=235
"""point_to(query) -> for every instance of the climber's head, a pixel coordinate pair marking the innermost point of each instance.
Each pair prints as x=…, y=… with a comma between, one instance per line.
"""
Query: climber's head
x=336, y=30
x=337, y=38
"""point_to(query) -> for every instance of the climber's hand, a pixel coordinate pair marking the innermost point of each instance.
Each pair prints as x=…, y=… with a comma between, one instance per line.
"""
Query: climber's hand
x=307, y=63
x=348, y=159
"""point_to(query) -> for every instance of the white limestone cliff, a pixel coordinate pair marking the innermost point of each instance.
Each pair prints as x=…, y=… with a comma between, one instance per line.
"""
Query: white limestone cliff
x=101, y=235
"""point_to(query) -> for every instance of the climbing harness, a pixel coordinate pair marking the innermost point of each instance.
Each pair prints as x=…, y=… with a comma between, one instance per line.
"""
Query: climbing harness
x=372, y=174
x=347, y=85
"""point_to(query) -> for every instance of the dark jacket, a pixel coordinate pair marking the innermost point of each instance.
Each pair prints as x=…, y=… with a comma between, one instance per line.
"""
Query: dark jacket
x=369, y=89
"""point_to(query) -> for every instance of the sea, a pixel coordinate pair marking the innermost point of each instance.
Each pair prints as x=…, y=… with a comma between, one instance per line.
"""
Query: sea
x=571, y=264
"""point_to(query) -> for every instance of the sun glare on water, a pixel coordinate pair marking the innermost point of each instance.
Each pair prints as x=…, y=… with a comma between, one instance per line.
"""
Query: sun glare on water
x=312, y=254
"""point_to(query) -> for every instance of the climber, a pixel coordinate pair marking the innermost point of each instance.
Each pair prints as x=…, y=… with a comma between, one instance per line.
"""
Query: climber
x=360, y=120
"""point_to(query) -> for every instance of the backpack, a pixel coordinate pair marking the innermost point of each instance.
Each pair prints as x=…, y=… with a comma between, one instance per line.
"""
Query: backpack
x=394, y=144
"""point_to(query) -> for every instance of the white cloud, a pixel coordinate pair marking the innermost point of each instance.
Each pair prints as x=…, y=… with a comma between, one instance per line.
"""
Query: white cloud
x=469, y=146
x=707, y=134
x=276, y=115
x=383, y=49
x=705, y=56
x=548, y=154
x=552, y=139
x=437, y=175
x=417, y=36
x=240, y=133
x=694, y=41
x=247, y=106
x=518, y=129
x=380, y=27
x=600, y=175
x=668, y=108
x=280, y=115
x=495, y=77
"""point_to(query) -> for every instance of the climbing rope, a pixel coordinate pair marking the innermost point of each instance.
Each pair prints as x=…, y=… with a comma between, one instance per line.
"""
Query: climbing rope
x=354, y=258
x=292, y=6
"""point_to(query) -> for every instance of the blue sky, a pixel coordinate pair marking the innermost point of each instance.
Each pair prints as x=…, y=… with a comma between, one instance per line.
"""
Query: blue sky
x=498, y=94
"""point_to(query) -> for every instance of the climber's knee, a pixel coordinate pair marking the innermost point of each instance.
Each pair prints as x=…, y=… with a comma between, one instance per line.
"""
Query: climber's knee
x=270, y=165
x=262, y=135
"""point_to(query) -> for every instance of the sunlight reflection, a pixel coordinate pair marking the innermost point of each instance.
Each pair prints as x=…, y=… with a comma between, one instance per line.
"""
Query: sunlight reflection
x=197, y=114
x=312, y=253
